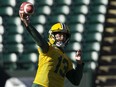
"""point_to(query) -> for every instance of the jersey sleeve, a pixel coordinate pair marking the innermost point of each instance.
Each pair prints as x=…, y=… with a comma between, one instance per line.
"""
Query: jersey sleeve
x=75, y=75
x=40, y=41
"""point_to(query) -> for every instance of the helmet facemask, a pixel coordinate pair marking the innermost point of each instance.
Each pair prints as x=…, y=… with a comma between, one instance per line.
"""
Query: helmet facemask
x=60, y=43
x=60, y=39
x=62, y=30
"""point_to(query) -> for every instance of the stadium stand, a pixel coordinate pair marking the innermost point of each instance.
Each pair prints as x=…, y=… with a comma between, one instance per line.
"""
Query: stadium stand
x=86, y=19
x=106, y=74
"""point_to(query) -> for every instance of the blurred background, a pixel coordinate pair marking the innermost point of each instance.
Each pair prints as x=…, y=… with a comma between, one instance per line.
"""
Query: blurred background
x=93, y=27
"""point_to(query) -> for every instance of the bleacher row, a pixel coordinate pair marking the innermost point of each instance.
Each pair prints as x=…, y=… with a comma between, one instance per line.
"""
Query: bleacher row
x=84, y=17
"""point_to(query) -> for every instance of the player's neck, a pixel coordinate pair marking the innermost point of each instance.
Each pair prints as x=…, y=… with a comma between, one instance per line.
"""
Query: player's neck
x=60, y=48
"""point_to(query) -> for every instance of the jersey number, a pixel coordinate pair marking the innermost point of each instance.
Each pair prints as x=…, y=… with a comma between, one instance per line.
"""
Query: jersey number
x=61, y=69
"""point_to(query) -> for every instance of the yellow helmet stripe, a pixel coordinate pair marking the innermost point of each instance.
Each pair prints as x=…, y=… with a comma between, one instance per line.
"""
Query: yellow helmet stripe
x=61, y=25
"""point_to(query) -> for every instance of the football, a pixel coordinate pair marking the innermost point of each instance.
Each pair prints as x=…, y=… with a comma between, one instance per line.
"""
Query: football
x=27, y=8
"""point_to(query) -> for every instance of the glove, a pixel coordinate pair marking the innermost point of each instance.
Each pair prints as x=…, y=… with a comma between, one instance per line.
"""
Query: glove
x=25, y=18
x=78, y=57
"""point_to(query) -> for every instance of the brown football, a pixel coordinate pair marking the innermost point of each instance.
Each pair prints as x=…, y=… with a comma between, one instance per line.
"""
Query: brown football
x=27, y=8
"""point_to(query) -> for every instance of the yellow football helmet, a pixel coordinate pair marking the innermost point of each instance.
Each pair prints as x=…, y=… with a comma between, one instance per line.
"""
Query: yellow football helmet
x=59, y=27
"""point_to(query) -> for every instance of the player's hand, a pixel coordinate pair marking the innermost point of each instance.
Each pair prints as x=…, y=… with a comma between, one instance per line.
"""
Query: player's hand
x=25, y=18
x=78, y=57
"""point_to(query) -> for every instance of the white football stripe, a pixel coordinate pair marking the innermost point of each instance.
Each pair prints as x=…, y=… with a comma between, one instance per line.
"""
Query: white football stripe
x=21, y=11
x=25, y=8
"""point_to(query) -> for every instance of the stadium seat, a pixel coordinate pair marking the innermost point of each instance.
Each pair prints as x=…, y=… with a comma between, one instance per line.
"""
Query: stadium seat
x=27, y=61
x=13, y=48
x=1, y=39
x=40, y=28
x=91, y=46
x=76, y=37
x=63, y=2
x=29, y=48
x=81, y=2
x=1, y=48
x=94, y=27
x=79, y=9
x=100, y=2
x=90, y=66
x=76, y=28
x=57, y=18
x=12, y=38
x=27, y=38
x=14, y=29
x=40, y=19
x=44, y=2
x=2, y=29
x=73, y=47
x=12, y=21
x=20, y=1
x=10, y=61
x=93, y=37
x=80, y=18
x=64, y=9
x=1, y=20
x=28, y=57
x=90, y=56
x=95, y=18
x=8, y=11
x=8, y=3
x=43, y=10
x=98, y=9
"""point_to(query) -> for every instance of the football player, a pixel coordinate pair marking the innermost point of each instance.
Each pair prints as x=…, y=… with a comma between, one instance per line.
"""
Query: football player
x=54, y=65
